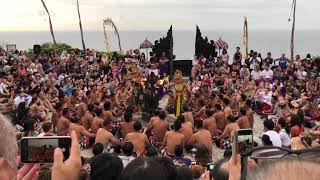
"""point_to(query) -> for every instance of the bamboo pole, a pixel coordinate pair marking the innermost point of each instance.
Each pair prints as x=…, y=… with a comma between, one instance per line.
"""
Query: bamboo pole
x=51, y=29
x=245, y=38
x=81, y=30
x=293, y=30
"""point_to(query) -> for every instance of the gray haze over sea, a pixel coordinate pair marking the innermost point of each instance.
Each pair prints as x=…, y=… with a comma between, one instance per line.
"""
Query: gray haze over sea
x=263, y=41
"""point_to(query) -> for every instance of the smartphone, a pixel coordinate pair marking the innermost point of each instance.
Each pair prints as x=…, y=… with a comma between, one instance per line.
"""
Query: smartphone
x=210, y=166
x=41, y=149
x=243, y=139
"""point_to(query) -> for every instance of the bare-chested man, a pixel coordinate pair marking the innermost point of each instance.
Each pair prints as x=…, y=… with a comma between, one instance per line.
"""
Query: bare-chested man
x=220, y=118
x=107, y=113
x=138, y=139
x=82, y=107
x=127, y=126
x=232, y=125
x=201, y=137
x=64, y=123
x=159, y=127
x=249, y=112
x=243, y=121
x=86, y=121
x=105, y=137
x=173, y=138
x=188, y=115
x=121, y=96
x=227, y=109
x=97, y=121
x=210, y=123
x=80, y=130
x=56, y=115
x=155, y=117
x=186, y=128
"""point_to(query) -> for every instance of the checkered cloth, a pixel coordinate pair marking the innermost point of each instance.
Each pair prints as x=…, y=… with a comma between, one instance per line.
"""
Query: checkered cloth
x=83, y=143
x=227, y=144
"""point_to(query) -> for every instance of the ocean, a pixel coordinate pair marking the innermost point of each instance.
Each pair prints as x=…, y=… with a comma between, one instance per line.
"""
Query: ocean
x=263, y=41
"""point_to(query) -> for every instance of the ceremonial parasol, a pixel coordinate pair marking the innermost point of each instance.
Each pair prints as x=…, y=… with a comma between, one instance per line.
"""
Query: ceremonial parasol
x=221, y=44
x=146, y=44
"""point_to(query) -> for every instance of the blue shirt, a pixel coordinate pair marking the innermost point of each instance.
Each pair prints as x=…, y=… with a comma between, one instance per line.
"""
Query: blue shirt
x=182, y=160
x=283, y=63
x=68, y=91
x=269, y=61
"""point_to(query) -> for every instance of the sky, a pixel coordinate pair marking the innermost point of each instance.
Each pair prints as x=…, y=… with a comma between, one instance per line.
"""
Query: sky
x=29, y=15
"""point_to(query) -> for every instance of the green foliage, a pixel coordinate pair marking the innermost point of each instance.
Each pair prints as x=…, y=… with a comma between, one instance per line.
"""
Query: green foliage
x=112, y=55
x=48, y=47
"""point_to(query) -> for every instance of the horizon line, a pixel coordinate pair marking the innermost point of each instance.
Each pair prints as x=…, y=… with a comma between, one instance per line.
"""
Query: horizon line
x=253, y=29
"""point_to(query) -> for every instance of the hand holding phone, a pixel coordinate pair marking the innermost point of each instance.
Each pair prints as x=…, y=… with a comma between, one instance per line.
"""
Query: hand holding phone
x=243, y=139
x=41, y=149
x=70, y=168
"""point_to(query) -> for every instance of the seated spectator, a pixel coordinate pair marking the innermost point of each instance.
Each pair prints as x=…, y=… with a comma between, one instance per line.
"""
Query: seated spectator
x=266, y=140
x=295, y=170
x=105, y=166
x=179, y=157
x=143, y=169
x=184, y=173
x=220, y=170
x=97, y=149
x=296, y=126
x=127, y=157
x=203, y=156
x=284, y=136
x=267, y=74
x=169, y=167
x=151, y=151
x=47, y=129
x=274, y=136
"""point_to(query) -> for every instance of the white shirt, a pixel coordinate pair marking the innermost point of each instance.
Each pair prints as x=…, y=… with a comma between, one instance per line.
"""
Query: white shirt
x=27, y=99
x=267, y=98
x=254, y=62
x=126, y=160
x=255, y=75
x=155, y=71
x=301, y=75
x=244, y=71
x=3, y=88
x=267, y=74
x=230, y=61
x=275, y=138
x=286, y=141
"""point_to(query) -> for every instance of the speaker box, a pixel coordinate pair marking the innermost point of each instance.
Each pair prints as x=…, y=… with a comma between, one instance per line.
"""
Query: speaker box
x=36, y=49
x=183, y=65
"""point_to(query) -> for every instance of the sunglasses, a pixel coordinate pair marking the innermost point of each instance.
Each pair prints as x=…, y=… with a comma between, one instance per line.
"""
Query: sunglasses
x=270, y=152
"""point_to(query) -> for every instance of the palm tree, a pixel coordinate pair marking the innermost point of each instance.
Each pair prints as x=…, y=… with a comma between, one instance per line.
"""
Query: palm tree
x=81, y=30
x=51, y=29
x=109, y=22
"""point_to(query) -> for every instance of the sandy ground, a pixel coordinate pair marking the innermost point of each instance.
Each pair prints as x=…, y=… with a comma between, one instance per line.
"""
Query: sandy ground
x=217, y=152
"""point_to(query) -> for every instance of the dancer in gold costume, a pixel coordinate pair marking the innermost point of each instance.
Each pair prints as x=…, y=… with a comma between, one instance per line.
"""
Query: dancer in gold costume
x=180, y=88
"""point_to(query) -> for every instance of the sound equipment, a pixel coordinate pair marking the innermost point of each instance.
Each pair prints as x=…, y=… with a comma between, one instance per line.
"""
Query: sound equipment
x=36, y=49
